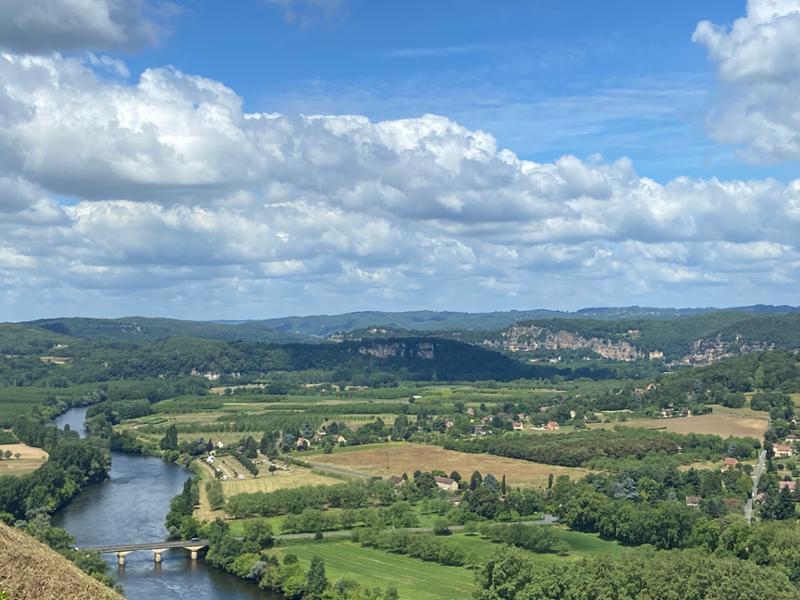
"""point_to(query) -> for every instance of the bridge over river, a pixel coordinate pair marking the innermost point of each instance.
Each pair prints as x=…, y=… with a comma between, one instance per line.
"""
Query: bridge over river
x=157, y=548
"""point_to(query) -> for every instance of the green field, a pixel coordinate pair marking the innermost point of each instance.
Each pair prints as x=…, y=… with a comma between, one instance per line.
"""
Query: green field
x=429, y=581
x=413, y=578
x=580, y=545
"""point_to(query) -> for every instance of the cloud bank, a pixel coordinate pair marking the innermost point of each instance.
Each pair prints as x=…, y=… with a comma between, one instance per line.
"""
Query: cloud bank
x=164, y=196
x=759, y=60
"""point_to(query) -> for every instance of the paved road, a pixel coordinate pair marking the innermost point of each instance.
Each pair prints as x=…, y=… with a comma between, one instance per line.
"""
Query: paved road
x=759, y=471
x=346, y=533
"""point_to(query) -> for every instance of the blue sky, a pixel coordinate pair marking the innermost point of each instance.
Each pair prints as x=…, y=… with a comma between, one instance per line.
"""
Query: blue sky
x=617, y=78
x=209, y=159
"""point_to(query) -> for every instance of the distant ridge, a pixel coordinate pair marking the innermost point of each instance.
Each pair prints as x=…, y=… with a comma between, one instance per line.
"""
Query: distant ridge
x=311, y=327
x=429, y=321
x=148, y=329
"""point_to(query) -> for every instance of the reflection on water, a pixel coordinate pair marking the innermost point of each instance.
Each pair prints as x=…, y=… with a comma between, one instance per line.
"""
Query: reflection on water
x=130, y=508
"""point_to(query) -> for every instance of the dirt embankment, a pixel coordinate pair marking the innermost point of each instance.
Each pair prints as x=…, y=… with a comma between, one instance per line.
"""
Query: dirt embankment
x=32, y=571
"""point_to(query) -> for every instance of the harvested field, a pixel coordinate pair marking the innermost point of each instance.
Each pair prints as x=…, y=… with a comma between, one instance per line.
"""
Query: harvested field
x=295, y=477
x=32, y=571
x=723, y=425
x=30, y=459
x=395, y=459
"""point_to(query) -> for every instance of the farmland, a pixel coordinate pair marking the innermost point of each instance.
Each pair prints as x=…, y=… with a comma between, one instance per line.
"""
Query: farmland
x=265, y=482
x=280, y=480
x=413, y=578
x=418, y=579
x=717, y=424
x=395, y=459
x=29, y=459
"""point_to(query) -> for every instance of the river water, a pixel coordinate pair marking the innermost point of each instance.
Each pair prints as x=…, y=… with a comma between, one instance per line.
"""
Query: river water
x=130, y=508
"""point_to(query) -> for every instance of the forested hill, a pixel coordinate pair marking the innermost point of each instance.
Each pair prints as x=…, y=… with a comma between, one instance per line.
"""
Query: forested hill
x=145, y=328
x=696, y=339
x=440, y=321
x=305, y=328
x=420, y=321
x=421, y=358
x=20, y=339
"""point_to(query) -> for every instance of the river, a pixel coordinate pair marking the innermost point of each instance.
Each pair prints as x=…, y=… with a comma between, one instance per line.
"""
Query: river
x=130, y=508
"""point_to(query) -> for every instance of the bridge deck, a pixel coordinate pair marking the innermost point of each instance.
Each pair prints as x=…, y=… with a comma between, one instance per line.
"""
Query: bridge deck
x=148, y=546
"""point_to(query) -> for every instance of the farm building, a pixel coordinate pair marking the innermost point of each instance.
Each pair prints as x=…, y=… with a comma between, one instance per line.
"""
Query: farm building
x=782, y=451
x=729, y=463
x=447, y=484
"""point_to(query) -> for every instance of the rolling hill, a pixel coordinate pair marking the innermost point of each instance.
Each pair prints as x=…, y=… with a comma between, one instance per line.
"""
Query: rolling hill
x=146, y=329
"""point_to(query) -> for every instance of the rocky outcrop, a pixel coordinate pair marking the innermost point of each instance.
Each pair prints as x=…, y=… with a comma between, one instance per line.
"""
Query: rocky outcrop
x=710, y=350
x=423, y=350
x=531, y=338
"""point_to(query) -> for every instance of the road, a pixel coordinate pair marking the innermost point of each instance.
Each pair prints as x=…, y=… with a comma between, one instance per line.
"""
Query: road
x=759, y=471
x=147, y=546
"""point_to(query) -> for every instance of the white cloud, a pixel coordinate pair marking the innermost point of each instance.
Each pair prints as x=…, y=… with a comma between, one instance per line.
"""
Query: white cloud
x=178, y=194
x=759, y=47
x=62, y=25
x=759, y=60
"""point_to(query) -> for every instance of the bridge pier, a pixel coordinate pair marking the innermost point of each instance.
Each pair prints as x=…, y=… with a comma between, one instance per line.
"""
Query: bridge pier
x=158, y=548
x=157, y=552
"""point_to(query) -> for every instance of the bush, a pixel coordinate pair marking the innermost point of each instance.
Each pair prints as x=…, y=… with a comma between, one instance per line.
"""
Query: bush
x=441, y=527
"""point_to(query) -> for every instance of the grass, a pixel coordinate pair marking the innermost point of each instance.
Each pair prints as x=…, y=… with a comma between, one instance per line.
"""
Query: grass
x=30, y=459
x=370, y=567
x=422, y=580
x=580, y=545
x=403, y=457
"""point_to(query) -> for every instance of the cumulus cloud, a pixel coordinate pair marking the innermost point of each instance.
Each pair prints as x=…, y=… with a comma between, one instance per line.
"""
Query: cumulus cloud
x=759, y=60
x=38, y=26
x=180, y=198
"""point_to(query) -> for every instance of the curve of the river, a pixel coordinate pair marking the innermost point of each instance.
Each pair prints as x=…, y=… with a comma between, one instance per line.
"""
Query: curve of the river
x=130, y=508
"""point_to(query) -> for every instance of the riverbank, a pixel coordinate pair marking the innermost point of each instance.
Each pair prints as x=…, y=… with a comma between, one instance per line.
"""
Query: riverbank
x=130, y=507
